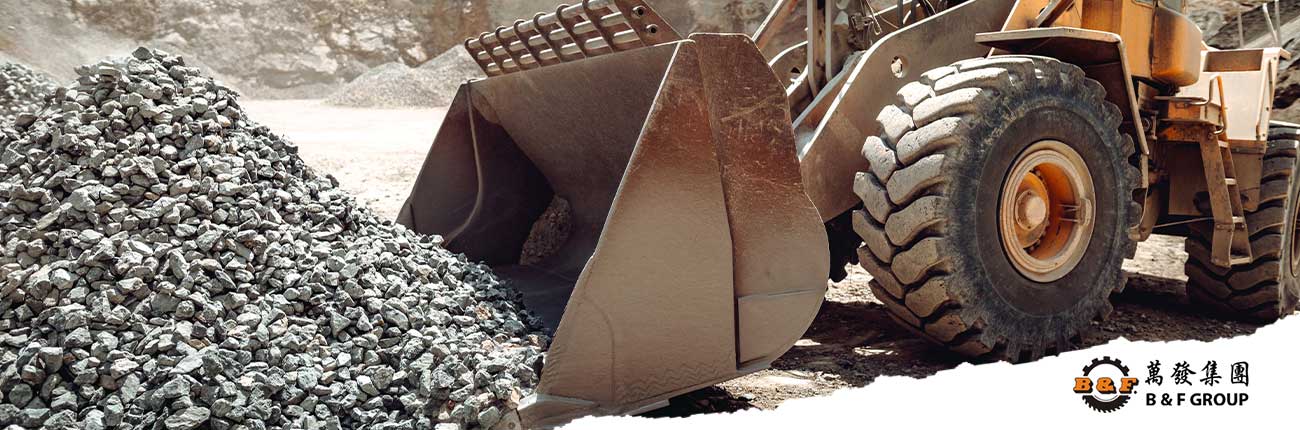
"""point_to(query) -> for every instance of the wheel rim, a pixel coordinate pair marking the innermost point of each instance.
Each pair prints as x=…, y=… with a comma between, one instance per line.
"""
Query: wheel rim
x=1045, y=215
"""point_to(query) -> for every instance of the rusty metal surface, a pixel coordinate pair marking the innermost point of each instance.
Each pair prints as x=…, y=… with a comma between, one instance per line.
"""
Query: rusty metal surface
x=652, y=310
x=829, y=150
x=1132, y=20
x=779, y=244
x=789, y=64
x=1176, y=48
x=475, y=195
x=1247, y=79
x=776, y=18
x=695, y=255
x=571, y=33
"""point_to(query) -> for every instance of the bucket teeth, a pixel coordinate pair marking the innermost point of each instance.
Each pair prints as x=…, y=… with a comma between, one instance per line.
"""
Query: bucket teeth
x=571, y=33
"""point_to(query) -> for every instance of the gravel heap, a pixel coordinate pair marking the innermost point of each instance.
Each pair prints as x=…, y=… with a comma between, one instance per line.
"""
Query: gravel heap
x=394, y=85
x=167, y=263
x=22, y=90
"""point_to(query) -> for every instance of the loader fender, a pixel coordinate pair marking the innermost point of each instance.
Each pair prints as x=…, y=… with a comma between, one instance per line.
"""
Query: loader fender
x=1100, y=54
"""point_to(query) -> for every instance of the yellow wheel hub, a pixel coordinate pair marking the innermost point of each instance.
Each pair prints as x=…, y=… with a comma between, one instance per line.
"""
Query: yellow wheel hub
x=1046, y=211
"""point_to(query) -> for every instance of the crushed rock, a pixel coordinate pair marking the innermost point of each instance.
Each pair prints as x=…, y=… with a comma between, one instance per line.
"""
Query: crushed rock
x=22, y=90
x=394, y=85
x=168, y=263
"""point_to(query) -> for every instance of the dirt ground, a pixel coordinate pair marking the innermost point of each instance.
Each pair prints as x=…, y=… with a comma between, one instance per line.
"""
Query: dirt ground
x=376, y=154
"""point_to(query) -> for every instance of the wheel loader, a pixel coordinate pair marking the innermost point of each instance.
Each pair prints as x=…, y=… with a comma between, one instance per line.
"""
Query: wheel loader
x=990, y=163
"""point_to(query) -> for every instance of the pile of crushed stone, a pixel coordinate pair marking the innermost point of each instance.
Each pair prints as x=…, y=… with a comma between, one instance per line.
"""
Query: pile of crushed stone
x=394, y=85
x=22, y=90
x=168, y=263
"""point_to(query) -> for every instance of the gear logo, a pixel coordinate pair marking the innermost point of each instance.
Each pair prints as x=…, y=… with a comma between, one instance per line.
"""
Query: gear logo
x=1098, y=387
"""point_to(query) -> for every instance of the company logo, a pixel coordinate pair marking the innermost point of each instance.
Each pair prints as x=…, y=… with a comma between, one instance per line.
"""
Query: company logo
x=1216, y=392
x=1105, y=385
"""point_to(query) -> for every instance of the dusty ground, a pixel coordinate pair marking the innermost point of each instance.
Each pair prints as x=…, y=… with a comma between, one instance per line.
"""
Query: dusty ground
x=375, y=154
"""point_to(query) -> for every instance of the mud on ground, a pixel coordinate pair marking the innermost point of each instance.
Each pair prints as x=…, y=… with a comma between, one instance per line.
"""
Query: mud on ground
x=377, y=153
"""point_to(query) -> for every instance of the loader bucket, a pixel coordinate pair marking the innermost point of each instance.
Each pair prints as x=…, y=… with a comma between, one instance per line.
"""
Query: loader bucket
x=694, y=255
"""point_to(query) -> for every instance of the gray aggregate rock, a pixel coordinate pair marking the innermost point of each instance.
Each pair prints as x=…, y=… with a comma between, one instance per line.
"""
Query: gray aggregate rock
x=23, y=92
x=188, y=418
x=166, y=262
x=395, y=85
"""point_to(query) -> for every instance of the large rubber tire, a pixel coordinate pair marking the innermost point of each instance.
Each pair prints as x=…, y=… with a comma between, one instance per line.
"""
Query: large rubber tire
x=930, y=229
x=1265, y=289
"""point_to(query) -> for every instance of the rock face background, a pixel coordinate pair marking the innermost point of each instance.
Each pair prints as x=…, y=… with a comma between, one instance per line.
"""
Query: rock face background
x=310, y=48
x=1253, y=24
x=278, y=49
x=1211, y=14
x=278, y=44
